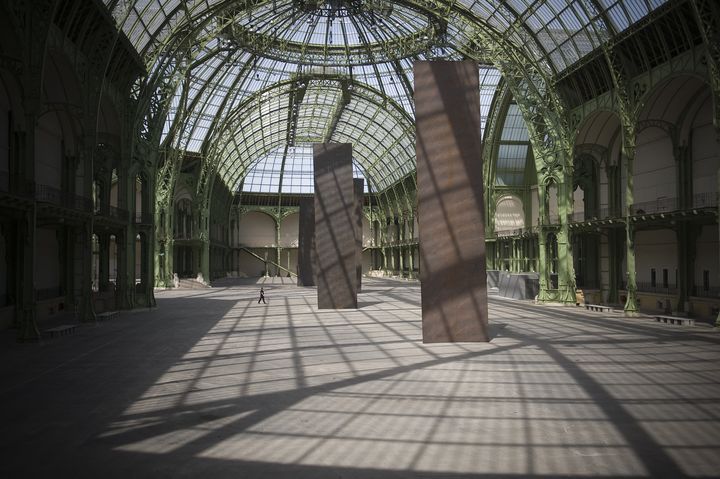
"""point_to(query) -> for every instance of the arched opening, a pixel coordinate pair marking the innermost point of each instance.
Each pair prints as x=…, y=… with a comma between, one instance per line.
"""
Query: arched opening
x=113, y=261
x=142, y=200
x=551, y=251
x=183, y=225
x=114, y=188
x=509, y=214
x=95, y=263
x=599, y=194
x=289, y=234
x=257, y=243
x=98, y=195
x=141, y=262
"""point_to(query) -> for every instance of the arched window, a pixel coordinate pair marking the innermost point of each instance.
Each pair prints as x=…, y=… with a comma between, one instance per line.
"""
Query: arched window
x=509, y=214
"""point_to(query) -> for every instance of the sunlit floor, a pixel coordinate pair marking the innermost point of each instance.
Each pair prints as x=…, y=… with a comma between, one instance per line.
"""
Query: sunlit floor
x=212, y=384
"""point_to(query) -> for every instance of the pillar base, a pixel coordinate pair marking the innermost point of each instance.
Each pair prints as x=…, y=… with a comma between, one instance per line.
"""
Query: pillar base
x=567, y=296
x=631, y=306
x=558, y=296
x=28, y=331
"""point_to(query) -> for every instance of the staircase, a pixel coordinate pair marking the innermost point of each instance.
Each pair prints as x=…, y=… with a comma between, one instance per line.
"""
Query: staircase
x=189, y=283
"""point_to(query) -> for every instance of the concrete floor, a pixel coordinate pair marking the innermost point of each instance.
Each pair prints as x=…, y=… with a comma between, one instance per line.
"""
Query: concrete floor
x=211, y=384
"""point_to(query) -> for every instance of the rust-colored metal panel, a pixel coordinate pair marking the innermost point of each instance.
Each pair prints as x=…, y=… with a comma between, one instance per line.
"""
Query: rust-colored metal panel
x=306, y=243
x=359, y=186
x=450, y=202
x=335, y=272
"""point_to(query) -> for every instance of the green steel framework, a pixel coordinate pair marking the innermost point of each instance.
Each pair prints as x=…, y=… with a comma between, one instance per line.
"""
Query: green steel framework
x=186, y=39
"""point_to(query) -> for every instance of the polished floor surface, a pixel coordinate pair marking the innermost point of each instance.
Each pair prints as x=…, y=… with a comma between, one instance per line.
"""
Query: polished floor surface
x=212, y=384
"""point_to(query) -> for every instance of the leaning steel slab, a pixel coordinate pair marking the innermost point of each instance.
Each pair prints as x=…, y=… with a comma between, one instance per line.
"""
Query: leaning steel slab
x=335, y=249
x=306, y=243
x=450, y=202
x=359, y=186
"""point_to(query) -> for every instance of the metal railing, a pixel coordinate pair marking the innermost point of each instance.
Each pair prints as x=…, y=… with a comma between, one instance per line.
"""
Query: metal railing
x=143, y=218
x=701, y=292
x=705, y=200
x=660, y=205
x=55, y=196
x=648, y=287
x=113, y=212
x=600, y=214
x=517, y=231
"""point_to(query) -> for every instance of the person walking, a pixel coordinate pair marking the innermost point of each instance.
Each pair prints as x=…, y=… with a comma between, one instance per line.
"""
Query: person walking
x=262, y=296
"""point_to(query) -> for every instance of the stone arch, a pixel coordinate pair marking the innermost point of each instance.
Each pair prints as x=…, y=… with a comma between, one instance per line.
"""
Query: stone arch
x=509, y=213
x=599, y=136
x=183, y=218
x=289, y=230
x=586, y=186
x=257, y=229
x=108, y=121
x=141, y=192
x=58, y=129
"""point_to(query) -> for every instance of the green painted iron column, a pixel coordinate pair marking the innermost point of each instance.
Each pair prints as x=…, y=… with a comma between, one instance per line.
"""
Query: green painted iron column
x=543, y=294
x=566, y=269
x=628, y=148
x=278, y=248
x=204, y=266
x=164, y=242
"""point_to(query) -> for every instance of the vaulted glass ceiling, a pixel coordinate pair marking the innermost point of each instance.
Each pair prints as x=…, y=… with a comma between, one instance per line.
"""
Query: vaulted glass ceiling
x=251, y=78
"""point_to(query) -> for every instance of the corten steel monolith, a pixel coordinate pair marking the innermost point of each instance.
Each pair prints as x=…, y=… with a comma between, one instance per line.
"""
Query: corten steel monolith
x=450, y=202
x=306, y=243
x=335, y=272
x=359, y=186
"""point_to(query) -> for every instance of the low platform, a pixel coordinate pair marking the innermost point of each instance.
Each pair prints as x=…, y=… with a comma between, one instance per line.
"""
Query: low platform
x=57, y=331
x=107, y=315
x=598, y=307
x=680, y=321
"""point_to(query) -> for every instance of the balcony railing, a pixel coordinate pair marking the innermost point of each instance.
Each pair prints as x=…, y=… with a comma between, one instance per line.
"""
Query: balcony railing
x=660, y=205
x=701, y=292
x=55, y=196
x=648, y=287
x=517, y=231
x=600, y=214
x=143, y=218
x=113, y=212
x=705, y=200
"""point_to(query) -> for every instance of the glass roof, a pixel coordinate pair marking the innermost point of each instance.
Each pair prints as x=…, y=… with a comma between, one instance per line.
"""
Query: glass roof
x=297, y=175
x=248, y=77
x=513, y=150
x=489, y=79
x=324, y=111
x=565, y=30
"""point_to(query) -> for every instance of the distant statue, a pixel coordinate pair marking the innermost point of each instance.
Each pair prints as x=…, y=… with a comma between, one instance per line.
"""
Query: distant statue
x=176, y=280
